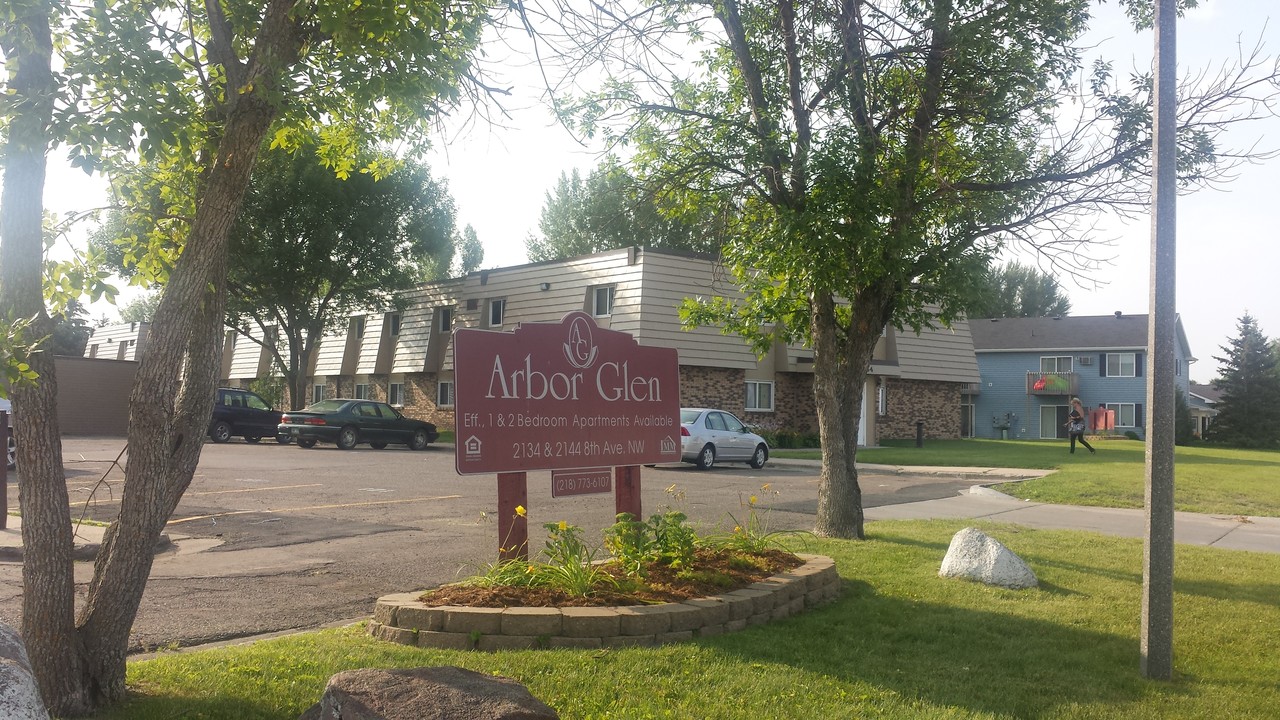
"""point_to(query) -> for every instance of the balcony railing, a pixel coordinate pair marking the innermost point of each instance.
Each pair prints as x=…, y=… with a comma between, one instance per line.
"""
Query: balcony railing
x=1052, y=383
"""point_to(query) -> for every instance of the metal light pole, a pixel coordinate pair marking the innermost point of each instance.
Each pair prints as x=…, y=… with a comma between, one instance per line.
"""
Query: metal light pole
x=1157, y=571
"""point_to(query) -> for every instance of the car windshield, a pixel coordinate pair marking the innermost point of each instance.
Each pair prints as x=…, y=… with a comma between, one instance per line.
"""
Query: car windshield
x=688, y=416
x=325, y=406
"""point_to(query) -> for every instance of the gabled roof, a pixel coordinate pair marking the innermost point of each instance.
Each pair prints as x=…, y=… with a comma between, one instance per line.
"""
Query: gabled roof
x=1068, y=332
x=1210, y=393
x=939, y=353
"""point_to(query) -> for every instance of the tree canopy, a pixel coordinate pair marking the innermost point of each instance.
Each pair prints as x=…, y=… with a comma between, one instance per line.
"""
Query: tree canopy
x=1249, y=409
x=610, y=209
x=309, y=249
x=870, y=158
x=1016, y=290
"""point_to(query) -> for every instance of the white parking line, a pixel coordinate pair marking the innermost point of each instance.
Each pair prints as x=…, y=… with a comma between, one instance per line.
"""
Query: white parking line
x=312, y=507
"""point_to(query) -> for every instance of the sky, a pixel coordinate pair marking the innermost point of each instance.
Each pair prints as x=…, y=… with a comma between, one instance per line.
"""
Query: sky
x=1228, y=254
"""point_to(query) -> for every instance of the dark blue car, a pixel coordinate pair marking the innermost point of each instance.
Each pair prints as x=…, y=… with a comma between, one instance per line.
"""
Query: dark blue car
x=348, y=423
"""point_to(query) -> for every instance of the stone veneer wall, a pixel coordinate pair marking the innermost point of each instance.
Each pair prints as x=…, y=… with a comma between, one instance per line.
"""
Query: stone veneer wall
x=936, y=403
x=793, y=405
x=420, y=393
x=403, y=619
x=708, y=387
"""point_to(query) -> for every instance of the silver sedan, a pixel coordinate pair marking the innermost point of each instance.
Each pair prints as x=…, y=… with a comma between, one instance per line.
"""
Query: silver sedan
x=708, y=435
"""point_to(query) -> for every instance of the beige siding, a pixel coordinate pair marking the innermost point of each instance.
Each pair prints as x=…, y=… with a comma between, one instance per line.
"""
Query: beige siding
x=249, y=359
x=668, y=280
x=944, y=354
x=329, y=357
x=416, y=325
x=368, y=346
x=116, y=342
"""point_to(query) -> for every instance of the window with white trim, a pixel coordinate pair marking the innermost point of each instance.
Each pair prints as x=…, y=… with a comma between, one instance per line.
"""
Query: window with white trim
x=357, y=324
x=444, y=319
x=759, y=396
x=497, y=307
x=1122, y=365
x=602, y=301
x=444, y=393
x=362, y=391
x=1126, y=414
x=882, y=399
x=317, y=393
x=1062, y=364
x=395, y=394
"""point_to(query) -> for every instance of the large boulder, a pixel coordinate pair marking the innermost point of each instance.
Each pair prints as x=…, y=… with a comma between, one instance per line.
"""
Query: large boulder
x=19, y=694
x=428, y=693
x=975, y=555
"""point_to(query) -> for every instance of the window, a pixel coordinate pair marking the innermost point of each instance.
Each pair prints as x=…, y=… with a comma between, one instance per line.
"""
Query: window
x=394, y=320
x=1121, y=365
x=362, y=391
x=357, y=325
x=445, y=316
x=602, y=301
x=93, y=350
x=759, y=396
x=495, y=312
x=256, y=402
x=395, y=395
x=1056, y=364
x=444, y=393
x=317, y=393
x=882, y=399
x=1126, y=414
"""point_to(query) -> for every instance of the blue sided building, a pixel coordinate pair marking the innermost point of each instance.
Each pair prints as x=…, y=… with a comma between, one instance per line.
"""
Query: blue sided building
x=1032, y=367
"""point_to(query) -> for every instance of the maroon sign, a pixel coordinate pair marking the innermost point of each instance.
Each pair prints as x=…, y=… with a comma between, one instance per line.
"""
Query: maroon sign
x=563, y=395
x=581, y=482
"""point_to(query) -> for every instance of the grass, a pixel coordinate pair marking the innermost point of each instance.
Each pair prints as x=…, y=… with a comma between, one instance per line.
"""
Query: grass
x=899, y=643
x=1207, y=478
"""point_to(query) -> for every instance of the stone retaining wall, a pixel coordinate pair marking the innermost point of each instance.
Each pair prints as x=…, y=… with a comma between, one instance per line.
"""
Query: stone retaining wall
x=401, y=618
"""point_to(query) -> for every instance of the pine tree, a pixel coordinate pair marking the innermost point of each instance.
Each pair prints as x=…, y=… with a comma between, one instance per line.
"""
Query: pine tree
x=1249, y=411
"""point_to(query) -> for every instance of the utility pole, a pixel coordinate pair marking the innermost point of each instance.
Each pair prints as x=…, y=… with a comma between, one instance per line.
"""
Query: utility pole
x=1157, y=571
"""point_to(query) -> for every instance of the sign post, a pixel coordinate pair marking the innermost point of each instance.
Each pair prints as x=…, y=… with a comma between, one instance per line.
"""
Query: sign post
x=562, y=396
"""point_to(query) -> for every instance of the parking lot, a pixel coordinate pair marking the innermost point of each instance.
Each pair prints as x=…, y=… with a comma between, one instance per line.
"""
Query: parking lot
x=272, y=537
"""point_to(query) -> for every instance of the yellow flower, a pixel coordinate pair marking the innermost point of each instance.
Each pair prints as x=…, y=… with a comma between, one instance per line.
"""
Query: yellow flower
x=737, y=529
x=563, y=526
x=751, y=500
x=529, y=570
x=520, y=510
x=765, y=487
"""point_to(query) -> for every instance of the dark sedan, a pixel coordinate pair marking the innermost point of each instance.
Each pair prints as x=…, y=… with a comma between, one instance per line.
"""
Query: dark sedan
x=348, y=423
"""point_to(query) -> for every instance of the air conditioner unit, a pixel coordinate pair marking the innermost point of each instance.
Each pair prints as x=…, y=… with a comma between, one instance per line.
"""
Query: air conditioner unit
x=1085, y=359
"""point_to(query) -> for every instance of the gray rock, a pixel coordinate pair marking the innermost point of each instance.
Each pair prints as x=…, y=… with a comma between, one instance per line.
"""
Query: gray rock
x=19, y=694
x=977, y=556
x=429, y=693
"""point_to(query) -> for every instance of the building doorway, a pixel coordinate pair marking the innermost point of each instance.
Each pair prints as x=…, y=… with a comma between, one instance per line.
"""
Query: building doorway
x=967, y=419
x=1053, y=421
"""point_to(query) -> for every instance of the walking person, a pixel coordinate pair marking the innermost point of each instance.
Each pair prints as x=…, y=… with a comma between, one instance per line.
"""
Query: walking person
x=1075, y=426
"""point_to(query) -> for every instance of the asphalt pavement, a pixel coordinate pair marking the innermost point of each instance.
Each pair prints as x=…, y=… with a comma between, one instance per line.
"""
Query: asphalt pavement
x=271, y=539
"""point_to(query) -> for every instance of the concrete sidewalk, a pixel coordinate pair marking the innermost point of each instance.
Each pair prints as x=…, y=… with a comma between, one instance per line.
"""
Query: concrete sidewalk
x=1257, y=534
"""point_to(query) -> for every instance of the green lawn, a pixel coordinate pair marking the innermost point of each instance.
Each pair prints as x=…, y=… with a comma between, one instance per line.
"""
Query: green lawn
x=1207, y=479
x=900, y=643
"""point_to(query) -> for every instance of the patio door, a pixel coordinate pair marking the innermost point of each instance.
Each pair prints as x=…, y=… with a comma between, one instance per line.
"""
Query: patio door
x=1053, y=421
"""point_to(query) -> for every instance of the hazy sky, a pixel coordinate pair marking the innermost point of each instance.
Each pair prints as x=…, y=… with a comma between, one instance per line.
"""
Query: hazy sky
x=1226, y=265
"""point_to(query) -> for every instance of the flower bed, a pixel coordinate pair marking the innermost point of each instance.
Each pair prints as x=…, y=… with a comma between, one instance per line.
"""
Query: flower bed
x=404, y=618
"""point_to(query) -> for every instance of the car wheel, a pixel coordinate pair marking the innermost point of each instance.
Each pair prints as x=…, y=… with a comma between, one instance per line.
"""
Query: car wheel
x=251, y=438
x=348, y=438
x=306, y=443
x=759, y=457
x=221, y=432
x=11, y=456
x=419, y=441
x=284, y=439
x=377, y=445
x=707, y=457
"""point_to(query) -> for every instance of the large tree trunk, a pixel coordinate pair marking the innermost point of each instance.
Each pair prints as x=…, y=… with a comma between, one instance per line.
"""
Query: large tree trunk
x=841, y=362
x=48, y=599
x=173, y=390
